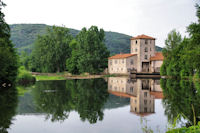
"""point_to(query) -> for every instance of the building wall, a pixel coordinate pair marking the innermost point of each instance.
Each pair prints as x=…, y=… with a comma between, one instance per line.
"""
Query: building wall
x=143, y=49
x=117, y=66
x=155, y=66
x=121, y=66
x=130, y=64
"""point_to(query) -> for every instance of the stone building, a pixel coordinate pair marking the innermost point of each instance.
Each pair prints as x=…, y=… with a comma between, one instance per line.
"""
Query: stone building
x=142, y=57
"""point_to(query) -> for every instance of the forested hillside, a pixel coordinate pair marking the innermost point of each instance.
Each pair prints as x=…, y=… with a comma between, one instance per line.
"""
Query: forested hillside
x=23, y=36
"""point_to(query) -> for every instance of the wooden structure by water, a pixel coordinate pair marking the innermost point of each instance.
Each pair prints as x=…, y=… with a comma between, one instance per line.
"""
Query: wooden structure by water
x=134, y=74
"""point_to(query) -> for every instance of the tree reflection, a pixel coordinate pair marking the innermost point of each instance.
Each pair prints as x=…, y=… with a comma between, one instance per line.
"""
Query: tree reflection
x=8, y=104
x=58, y=98
x=91, y=96
x=53, y=98
x=181, y=98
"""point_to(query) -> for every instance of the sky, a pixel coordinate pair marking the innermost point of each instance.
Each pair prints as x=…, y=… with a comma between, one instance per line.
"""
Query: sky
x=155, y=18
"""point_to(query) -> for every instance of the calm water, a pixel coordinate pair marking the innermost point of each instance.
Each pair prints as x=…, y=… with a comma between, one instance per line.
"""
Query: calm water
x=115, y=104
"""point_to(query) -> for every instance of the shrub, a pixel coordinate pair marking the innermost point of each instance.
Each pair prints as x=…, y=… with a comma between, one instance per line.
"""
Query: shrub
x=24, y=77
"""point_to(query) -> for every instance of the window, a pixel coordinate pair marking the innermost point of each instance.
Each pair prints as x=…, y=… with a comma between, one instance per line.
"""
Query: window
x=115, y=88
x=145, y=57
x=131, y=61
x=122, y=69
x=131, y=89
x=135, y=109
x=136, y=42
x=110, y=86
x=122, y=60
x=115, y=61
x=136, y=50
x=145, y=94
x=145, y=49
x=150, y=49
x=150, y=41
x=145, y=110
x=145, y=102
x=110, y=62
x=146, y=41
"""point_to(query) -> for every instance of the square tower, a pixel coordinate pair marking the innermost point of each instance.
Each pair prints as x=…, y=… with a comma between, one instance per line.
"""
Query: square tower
x=144, y=47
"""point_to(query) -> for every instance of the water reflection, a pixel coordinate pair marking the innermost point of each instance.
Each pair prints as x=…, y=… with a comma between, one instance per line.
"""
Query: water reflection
x=8, y=104
x=182, y=97
x=107, y=100
x=142, y=93
x=57, y=99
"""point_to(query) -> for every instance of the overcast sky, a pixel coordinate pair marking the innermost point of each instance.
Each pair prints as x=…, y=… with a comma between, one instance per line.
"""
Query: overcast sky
x=155, y=18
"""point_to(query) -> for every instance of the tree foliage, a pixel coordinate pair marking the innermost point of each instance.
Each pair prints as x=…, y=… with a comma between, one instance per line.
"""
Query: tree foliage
x=51, y=50
x=89, y=53
x=182, y=57
x=8, y=56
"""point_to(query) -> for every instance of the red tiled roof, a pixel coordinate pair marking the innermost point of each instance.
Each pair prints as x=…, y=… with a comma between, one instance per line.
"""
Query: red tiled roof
x=158, y=56
x=142, y=37
x=158, y=95
x=120, y=94
x=120, y=56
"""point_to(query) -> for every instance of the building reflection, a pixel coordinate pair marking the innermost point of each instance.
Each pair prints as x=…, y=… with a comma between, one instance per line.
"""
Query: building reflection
x=142, y=93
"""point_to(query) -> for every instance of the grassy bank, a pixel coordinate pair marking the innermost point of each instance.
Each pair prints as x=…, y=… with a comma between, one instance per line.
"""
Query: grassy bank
x=66, y=75
x=24, y=77
x=49, y=77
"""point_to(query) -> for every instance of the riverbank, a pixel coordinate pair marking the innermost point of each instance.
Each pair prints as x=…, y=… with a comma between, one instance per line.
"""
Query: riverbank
x=65, y=75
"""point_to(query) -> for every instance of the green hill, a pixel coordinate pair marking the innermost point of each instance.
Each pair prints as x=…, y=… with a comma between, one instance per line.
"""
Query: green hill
x=24, y=35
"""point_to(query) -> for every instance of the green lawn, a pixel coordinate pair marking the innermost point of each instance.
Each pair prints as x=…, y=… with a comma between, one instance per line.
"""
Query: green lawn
x=46, y=77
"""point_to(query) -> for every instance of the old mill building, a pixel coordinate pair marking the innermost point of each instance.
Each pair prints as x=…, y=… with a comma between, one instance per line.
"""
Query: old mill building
x=143, y=57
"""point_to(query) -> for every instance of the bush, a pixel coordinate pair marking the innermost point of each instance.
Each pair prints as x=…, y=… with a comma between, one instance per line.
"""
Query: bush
x=24, y=77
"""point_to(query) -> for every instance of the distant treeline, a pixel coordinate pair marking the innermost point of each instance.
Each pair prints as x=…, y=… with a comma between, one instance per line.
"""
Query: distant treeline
x=182, y=55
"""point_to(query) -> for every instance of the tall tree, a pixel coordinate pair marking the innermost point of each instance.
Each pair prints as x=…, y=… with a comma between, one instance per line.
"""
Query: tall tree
x=51, y=50
x=171, y=53
x=8, y=56
x=90, y=51
x=182, y=57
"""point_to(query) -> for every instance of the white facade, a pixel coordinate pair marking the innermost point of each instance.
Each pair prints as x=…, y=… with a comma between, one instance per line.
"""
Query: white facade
x=122, y=65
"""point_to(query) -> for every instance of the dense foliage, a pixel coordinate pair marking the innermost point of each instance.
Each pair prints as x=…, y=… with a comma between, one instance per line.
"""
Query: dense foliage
x=8, y=56
x=24, y=35
x=24, y=77
x=89, y=53
x=51, y=50
x=182, y=56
